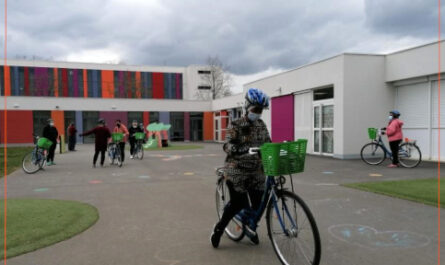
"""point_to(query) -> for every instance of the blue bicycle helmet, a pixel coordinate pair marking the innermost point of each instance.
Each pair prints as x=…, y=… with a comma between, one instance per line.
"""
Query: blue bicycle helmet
x=257, y=98
x=395, y=113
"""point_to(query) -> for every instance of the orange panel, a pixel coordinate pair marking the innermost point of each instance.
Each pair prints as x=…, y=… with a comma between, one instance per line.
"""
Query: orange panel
x=107, y=84
x=56, y=83
x=85, y=83
x=7, y=79
x=59, y=121
x=208, y=126
x=138, y=84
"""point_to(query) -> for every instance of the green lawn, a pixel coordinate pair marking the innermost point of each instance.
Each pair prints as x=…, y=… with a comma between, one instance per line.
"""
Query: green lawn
x=35, y=223
x=15, y=156
x=419, y=190
x=175, y=147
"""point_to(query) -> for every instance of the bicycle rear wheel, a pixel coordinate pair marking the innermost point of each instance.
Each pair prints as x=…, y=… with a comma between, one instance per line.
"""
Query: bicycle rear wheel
x=373, y=154
x=292, y=230
x=33, y=162
x=409, y=155
x=111, y=155
x=234, y=229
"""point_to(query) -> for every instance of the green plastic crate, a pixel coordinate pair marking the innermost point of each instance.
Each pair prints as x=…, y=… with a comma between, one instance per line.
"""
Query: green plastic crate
x=44, y=143
x=284, y=158
x=117, y=137
x=372, y=133
x=139, y=136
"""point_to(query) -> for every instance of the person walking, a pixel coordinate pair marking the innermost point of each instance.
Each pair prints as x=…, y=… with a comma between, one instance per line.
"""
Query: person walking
x=120, y=128
x=72, y=137
x=102, y=134
x=395, y=136
x=50, y=132
x=134, y=129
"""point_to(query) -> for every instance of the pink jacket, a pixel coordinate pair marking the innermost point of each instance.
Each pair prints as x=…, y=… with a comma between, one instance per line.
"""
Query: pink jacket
x=394, y=130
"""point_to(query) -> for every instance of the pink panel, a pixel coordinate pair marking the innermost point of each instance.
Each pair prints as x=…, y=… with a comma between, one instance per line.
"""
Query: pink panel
x=110, y=117
x=283, y=118
x=186, y=126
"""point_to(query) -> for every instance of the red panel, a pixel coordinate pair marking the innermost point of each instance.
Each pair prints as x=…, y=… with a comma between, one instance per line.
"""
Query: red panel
x=158, y=85
x=19, y=125
x=146, y=118
x=128, y=84
x=65, y=82
x=26, y=73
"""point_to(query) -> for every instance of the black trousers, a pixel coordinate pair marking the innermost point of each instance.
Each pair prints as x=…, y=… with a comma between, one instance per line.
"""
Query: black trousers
x=71, y=143
x=51, y=151
x=122, y=147
x=102, y=156
x=132, y=145
x=238, y=201
x=394, y=145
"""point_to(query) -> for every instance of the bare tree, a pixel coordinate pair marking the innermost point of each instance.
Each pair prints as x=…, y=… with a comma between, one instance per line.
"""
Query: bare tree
x=218, y=79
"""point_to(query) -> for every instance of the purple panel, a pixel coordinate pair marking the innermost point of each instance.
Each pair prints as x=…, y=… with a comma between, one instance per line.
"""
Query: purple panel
x=283, y=118
x=121, y=85
x=186, y=126
x=178, y=87
x=41, y=84
x=75, y=83
x=110, y=118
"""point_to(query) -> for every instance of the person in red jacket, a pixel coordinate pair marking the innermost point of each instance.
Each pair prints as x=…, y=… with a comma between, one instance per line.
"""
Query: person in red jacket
x=395, y=136
x=102, y=134
x=72, y=137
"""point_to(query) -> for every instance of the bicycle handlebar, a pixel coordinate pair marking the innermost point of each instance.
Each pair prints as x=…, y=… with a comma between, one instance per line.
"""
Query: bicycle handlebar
x=253, y=150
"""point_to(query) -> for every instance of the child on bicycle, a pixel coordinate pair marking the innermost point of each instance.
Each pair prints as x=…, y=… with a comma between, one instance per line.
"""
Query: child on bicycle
x=134, y=129
x=102, y=134
x=395, y=136
x=120, y=128
x=244, y=172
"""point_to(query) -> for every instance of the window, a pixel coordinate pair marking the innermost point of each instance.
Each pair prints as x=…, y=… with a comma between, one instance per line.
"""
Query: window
x=204, y=72
x=323, y=93
x=204, y=87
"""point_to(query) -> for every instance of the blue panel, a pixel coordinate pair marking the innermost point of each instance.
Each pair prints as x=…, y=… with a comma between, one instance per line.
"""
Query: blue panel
x=164, y=117
x=15, y=90
x=173, y=82
x=79, y=126
x=166, y=86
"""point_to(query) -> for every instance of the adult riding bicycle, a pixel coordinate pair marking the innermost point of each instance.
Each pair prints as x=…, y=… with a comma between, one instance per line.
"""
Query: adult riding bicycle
x=376, y=152
x=114, y=151
x=290, y=224
x=35, y=160
x=139, y=148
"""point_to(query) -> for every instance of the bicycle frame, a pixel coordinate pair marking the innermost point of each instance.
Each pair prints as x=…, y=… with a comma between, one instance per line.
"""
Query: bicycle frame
x=380, y=142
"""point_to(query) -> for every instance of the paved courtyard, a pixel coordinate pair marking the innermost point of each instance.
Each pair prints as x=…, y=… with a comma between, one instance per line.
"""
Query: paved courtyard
x=161, y=211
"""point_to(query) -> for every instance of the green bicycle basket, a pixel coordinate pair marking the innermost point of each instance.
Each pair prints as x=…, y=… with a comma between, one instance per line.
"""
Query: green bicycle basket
x=284, y=158
x=372, y=133
x=44, y=143
x=117, y=137
x=139, y=136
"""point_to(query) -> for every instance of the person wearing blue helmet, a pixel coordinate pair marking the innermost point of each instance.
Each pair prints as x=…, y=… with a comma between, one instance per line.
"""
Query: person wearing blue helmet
x=244, y=172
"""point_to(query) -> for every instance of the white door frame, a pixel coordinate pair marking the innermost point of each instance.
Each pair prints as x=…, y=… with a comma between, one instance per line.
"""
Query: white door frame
x=320, y=104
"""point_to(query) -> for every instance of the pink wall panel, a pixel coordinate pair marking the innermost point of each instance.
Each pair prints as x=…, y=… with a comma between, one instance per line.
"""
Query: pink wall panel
x=283, y=118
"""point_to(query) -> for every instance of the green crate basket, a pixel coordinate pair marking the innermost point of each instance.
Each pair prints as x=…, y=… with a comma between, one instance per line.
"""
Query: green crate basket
x=139, y=136
x=117, y=137
x=284, y=158
x=372, y=133
x=44, y=143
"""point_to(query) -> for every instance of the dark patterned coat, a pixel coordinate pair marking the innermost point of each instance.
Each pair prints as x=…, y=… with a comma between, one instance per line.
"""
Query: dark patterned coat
x=243, y=170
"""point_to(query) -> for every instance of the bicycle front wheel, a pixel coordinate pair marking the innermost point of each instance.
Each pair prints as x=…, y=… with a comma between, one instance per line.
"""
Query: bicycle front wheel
x=32, y=162
x=234, y=229
x=409, y=155
x=372, y=154
x=118, y=156
x=293, y=231
x=140, y=151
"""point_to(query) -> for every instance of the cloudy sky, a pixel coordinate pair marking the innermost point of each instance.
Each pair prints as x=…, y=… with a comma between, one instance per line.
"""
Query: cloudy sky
x=253, y=37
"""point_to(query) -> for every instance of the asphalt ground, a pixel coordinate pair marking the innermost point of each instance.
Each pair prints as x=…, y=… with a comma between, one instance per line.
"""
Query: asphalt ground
x=161, y=211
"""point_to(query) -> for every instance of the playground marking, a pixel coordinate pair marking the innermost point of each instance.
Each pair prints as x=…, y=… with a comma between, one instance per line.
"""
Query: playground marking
x=375, y=175
x=328, y=172
x=41, y=189
x=189, y=173
x=95, y=181
x=144, y=177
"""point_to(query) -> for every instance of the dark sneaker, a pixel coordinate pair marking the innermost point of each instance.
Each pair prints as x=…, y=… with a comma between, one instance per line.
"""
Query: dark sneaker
x=255, y=240
x=251, y=233
x=216, y=237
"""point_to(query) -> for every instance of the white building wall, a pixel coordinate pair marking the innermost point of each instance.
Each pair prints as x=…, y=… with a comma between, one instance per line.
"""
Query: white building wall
x=367, y=100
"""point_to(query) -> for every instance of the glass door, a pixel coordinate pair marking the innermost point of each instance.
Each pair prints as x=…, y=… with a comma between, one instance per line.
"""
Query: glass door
x=323, y=128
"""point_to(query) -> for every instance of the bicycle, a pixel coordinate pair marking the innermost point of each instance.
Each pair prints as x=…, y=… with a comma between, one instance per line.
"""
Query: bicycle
x=376, y=152
x=291, y=226
x=114, y=150
x=35, y=160
x=139, y=149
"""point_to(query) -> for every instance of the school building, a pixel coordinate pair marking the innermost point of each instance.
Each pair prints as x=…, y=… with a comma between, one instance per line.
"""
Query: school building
x=331, y=102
